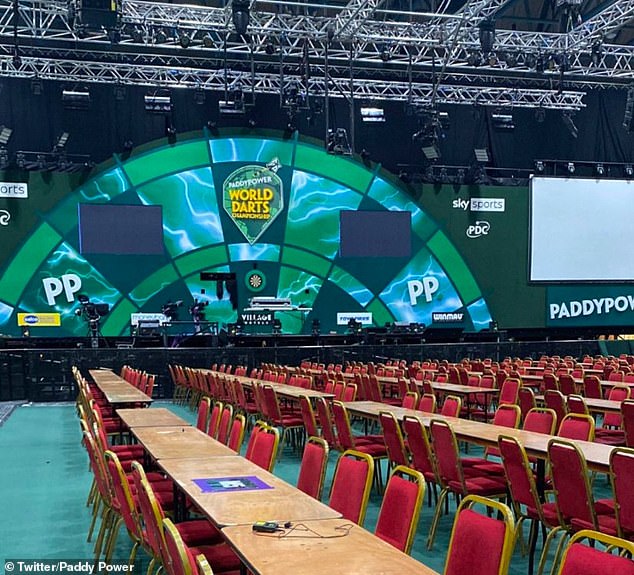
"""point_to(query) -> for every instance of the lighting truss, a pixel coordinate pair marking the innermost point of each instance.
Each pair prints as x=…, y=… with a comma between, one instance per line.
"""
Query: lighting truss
x=414, y=93
x=354, y=40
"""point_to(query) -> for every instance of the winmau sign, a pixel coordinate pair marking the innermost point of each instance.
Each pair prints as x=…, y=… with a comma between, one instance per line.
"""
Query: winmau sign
x=253, y=198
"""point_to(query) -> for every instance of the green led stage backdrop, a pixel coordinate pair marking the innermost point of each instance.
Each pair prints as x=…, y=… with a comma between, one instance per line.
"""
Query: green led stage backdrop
x=264, y=209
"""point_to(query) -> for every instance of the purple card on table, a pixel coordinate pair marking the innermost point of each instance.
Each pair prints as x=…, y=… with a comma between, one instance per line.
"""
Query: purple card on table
x=225, y=484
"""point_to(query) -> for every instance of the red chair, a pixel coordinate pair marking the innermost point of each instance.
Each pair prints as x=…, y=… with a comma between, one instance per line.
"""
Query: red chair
x=581, y=559
x=526, y=400
x=421, y=453
x=480, y=544
x=592, y=387
x=373, y=445
x=452, y=476
x=312, y=471
x=214, y=419
x=351, y=485
x=287, y=422
x=621, y=473
x=393, y=438
x=627, y=411
x=612, y=420
x=540, y=420
x=576, y=507
x=527, y=502
x=451, y=406
x=555, y=400
x=505, y=416
x=577, y=426
x=427, y=403
x=400, y=508
x=325, y=421
x=551, y=383
x=224, y=424
x=202, y=420
x=236, y=433
x=577, y=404
x=567, y=384
x=308, y=417
x=410, y=400
x=264, y=448
x=509, y=391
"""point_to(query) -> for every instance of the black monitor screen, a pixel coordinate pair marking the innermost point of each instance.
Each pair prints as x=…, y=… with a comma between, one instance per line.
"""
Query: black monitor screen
x=378, y=234
x=120, y=229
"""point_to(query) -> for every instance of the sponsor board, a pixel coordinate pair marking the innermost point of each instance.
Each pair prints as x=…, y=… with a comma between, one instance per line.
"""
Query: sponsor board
x=447, y=317
x=480, y=204
x=364, y=318
x=257, y=318
x=590, y=306
x=253, y=196
x=141, y=318
x=14, y=190
x=39, y=319
x=480, y=228
x=5, y=217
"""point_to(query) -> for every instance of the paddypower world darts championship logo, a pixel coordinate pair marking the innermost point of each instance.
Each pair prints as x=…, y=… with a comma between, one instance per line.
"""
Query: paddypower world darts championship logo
x=253, y=198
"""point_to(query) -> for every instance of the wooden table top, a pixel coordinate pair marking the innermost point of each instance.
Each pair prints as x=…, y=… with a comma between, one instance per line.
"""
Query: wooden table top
x=594, y=404
x=333, y=546
x=283, y=389
x=486, y=434
x=116, y=389
x=281, y=503
x=462, y=389
x=153, y=417
x=179, y=442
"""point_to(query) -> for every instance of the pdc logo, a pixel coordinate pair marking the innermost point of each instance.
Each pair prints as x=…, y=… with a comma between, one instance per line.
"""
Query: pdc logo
x=480, y=228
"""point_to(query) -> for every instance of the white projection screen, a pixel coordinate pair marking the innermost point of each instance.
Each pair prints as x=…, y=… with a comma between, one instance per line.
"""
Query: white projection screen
x=581, y=230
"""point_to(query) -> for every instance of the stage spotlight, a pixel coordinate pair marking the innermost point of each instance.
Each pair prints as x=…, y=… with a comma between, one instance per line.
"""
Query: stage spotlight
x=474, y=59
x=240, y=12
x=128, y=145
x=36, y=87
x=540, y=115
x=160, y=37
x=199, y=96
x=481, y=155
x=137, y=35
x=184, y=39
x=157, y=103
x=61, y=142
x=539, y=167
x=600, y=169
x=76, y=99
x=487, y=35
x=570, y=167
x=208, y=41
x=629, y=170
x=5, y=135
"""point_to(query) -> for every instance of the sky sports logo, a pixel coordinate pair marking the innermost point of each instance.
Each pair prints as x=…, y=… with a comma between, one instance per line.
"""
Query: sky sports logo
x=14, y=190
x=480, y=204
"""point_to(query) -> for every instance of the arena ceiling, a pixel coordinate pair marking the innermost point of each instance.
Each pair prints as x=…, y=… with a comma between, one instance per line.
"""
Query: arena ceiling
x=518, y=53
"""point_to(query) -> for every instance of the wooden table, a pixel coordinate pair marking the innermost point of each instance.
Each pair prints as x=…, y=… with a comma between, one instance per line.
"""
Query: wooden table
x=486, y=434
x=283, y=389
x=117, y=390
x=154, y=417
x=281, y=503
x=181, y=441
x=343, y=549
x=594, y=404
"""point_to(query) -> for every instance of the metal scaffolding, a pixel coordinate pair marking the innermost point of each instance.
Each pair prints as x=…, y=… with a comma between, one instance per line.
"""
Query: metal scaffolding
x=370, y=52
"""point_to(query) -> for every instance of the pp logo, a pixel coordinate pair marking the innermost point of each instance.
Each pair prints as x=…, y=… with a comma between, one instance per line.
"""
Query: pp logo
x=478, y=229
x=4, y=218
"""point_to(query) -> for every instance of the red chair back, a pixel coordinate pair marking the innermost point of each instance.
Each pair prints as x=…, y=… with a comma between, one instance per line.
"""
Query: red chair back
x=509, y=391
x=540, y=420
x=627, y=411
x=567, y=384
x=202, y=421
x=342, y=421
x=308, y=417
x=393, y=439
x=577, y=426
x=581, y=559
x=592, y=387
x=446, y=452
x=325, y=420
x=400, y=508
x=351, y=485
x=312, y=470
x=214, y=419
x=224, y=424
x=427, y=403
x=617, y=393
x=451, y=406
x=526, y=400
x=555, y=400
x=419, y=447
x=236, y=433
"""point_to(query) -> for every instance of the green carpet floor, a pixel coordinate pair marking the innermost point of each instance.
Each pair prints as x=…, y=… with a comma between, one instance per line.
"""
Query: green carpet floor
x=44, y=481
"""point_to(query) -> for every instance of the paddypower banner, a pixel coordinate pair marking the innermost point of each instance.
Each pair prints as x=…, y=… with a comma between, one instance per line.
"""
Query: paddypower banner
x=596, y=305
x=253, y=198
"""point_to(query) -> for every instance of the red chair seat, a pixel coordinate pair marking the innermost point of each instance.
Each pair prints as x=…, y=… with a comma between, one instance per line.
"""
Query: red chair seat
x=607, y=524
x=221, y=557
x=480, y=485
x=605, y=506
x=198, y=532
x=373, y=449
